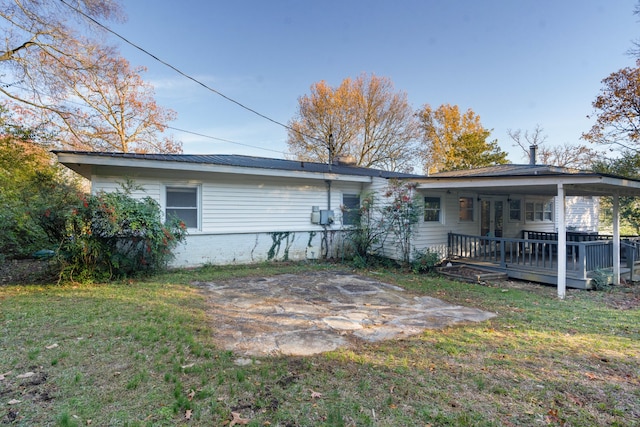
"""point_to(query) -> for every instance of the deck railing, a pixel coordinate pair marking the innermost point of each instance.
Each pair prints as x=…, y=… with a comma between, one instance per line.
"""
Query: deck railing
x=540, y=254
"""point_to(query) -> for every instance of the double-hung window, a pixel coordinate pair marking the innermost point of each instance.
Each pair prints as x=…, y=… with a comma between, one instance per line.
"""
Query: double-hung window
x=432, y=209
x=515, y=210
x=536, y=211
x=466, y=209
x=182, y=203
x=350, y=209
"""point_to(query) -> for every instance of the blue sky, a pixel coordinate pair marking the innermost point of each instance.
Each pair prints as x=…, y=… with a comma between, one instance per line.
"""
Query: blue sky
x=516, y=63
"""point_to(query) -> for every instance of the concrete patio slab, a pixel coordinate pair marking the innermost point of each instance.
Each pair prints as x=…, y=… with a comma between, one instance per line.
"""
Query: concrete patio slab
x=304, y=314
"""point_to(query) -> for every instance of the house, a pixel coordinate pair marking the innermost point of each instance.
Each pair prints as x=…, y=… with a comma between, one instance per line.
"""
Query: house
x=243, y=209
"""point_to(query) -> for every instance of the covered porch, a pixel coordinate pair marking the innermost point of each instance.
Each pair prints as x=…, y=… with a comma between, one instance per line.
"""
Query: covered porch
x=553, y=256
x=534, y=257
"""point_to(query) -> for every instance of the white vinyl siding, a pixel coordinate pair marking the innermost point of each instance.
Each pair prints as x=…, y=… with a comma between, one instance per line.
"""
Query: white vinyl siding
x=581, y=213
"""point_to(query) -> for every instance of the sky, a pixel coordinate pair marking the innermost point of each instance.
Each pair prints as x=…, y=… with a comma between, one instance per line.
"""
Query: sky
x=518, y=64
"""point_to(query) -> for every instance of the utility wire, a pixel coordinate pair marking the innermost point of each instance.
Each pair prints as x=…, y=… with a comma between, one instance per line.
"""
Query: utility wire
x=182, y=73
x=4, y=84
x=221, y=139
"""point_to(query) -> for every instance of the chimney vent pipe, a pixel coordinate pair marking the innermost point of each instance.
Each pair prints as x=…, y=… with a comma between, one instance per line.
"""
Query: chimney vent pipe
x=533, y=149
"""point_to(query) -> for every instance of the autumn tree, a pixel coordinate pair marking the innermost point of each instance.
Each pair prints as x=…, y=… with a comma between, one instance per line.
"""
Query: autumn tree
x=118, y=111
x=39, y=33
x=82, y=90
x=577, y=156
x=617, y=110
x=626, y=165
x=364, y=118
x=452, y=140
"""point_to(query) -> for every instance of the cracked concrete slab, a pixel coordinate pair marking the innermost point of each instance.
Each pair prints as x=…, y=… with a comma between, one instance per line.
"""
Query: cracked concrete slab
x=305, y=314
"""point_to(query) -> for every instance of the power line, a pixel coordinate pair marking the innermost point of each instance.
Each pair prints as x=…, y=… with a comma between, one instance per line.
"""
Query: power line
x=182, y=73
x=4, y=84
x=221, y=139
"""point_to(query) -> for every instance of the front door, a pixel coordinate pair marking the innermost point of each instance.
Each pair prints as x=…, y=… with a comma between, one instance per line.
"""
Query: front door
x=491, y=217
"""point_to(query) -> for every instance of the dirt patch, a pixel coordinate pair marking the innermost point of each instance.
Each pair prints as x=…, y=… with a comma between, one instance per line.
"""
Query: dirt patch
x=472, y=274
x=16, y=387
x=26, y=271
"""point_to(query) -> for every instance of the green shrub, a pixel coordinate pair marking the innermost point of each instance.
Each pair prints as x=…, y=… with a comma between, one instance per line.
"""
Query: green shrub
x=113, y=235
x=32, y=187
x=425, y=261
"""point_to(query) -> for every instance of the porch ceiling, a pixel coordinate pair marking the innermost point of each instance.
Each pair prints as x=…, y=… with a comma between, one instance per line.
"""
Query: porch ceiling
x=577, y=185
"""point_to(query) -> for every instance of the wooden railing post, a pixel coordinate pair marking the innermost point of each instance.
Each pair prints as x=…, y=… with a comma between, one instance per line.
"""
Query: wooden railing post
x=581, y=268
x=503, y=264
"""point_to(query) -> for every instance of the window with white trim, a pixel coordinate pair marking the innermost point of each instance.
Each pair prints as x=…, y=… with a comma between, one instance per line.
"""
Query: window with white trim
x=182, y=203
x=432, y=208
x=466, y=209
x=538, y=211
x=515, y=210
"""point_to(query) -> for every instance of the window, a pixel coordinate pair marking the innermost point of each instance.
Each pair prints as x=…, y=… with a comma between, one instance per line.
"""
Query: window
x=182, y=202
x=466, y=209
x=350, y=209
x=515, y=210
x=432, y=209
x=538, y=211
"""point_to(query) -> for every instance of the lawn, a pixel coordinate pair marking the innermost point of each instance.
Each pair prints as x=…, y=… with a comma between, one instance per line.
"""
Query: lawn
x=141, y=353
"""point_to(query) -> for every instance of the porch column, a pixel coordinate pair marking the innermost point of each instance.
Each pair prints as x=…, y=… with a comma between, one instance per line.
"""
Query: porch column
x=562, y=244
x=616, y=239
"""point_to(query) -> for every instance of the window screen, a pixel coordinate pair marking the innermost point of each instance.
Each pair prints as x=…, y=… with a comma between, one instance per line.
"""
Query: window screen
x=432, y=209
x=182, y=203
x=350, y=209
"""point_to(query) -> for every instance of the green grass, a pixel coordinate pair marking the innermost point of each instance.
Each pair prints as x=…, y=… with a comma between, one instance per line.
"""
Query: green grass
x=140, y=354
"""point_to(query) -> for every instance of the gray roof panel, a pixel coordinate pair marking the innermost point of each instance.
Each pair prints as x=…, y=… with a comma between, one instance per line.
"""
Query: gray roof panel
x=250, y=162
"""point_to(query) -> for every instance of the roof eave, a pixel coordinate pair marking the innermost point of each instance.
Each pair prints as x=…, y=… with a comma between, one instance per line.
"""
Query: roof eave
x=86, y=165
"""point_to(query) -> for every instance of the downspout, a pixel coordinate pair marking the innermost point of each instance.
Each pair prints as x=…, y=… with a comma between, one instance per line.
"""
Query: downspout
x=328, y=181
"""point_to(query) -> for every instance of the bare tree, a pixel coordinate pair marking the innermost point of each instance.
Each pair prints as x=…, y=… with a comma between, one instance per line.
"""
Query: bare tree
x=76, y=86
x=567, y=155
x=117, y=110
x=38, y=33
x=363, y=118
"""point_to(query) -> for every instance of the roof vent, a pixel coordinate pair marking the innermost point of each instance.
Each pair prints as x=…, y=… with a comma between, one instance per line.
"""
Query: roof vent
x=533, y=151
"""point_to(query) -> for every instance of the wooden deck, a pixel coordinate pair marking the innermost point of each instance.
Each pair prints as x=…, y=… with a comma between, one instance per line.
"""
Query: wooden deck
x=534, y=257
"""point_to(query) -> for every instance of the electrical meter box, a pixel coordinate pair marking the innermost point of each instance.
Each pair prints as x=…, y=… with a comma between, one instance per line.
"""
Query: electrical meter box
x=326, y=217
x=315, y=215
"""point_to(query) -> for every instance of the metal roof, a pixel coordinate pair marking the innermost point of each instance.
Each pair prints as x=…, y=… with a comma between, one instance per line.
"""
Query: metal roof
x=509, y=170
x=249, y=162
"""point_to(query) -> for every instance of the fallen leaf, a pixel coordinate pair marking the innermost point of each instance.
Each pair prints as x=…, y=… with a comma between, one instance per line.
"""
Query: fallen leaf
x=187, y=414
x=51, y=347
x=26, y=375
x=237, y=419
x=191, y=394
x=13, y=402
x=590, y=376
x=190, y=365
x=316, y=395
x=574, y=399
